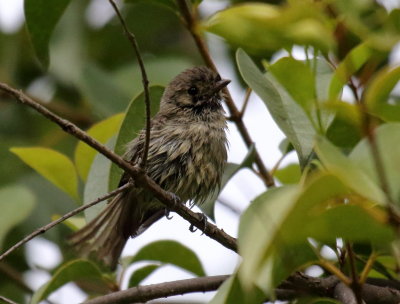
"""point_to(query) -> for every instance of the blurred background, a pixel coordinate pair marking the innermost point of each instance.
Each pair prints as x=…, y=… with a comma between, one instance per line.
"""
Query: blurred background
x=92, y=75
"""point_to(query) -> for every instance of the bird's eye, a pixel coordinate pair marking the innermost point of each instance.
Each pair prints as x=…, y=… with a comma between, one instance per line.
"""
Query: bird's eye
x=193, y=91
x=218, y=78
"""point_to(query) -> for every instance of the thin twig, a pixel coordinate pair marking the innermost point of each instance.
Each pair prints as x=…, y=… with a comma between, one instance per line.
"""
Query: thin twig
x=6, y=300
x=367, y=268
x=246, y=101
x=355, y=283
x=191, y=24
x=132, y=39
x=140, y=178
x=155, y=291
x=63, y=218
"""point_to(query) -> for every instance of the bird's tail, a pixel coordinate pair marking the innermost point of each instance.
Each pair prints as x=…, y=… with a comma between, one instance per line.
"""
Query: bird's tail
x=105, y=236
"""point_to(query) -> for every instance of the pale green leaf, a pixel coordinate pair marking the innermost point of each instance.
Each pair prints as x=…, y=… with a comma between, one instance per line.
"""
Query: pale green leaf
x=377, y=95
x=142, y=273
x=288, y=115
x=101, y=131
x=387, y=137
x=169, y=252
x=348, y=170
x=54, y=166
x=16, y=204
x=71, y=271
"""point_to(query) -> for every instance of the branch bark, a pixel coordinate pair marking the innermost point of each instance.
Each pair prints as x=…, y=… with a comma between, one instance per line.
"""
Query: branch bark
x=138, y=175
x=162, y=290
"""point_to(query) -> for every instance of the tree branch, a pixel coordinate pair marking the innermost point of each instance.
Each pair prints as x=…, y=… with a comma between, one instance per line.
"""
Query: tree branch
x=140, y=178
x=132, y=39
x=63, y=218
x=6, y=300
x=235, y=114
x=162, y=290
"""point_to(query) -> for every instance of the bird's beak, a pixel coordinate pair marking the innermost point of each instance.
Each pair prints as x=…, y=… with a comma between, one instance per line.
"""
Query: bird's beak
x=220, y=85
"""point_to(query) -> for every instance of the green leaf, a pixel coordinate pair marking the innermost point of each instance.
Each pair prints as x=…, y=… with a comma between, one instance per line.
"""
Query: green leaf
x=387, y=137
x=142, y=273
x=260, y=27
x=169, y=252
x=102, y=90
x=97, y=182
x=378, y=93
x=71, y=271
x=289, y=175
x=348, y=170
x=101, y=131
x=298, y=80
x=230, y=170
x=274, y=230
x=353, y=61
x=133, y=122
x=54, y=166
x=41, y=18
x=16, y=204
x=288, y=115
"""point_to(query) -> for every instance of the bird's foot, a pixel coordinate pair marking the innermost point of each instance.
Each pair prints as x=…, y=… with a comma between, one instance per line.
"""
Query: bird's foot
x=176, y=199
x=204, y=220
x=167, y=212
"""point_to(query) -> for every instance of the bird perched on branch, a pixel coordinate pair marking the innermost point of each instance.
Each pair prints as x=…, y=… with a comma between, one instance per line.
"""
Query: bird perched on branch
x=186, y=156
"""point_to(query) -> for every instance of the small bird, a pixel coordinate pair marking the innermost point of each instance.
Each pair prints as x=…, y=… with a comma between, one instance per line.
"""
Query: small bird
x=187, y=156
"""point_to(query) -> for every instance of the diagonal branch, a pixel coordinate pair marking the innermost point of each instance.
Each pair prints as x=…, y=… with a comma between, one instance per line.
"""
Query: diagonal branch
x=132, y=39
x=156, y=291
x=235, y=114
x=63, y=218
x=140, y=178
x=6, y=300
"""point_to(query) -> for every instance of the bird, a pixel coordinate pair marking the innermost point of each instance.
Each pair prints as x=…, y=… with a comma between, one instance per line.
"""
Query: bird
x=187, y=156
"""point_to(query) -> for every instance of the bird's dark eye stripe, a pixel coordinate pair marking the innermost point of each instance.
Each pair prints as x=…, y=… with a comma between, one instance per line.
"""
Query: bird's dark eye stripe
x=193, y=91
x=218, y=78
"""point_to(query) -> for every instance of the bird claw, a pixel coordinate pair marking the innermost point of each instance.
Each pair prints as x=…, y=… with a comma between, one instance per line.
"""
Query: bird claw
x=204, y=220
x=174, y=198
x=167, y=212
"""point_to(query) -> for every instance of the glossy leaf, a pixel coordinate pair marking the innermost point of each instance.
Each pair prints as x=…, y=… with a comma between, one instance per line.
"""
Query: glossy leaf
x=289, y=175
x=142, y=273
x=71, y=271
x=169, y=252
x=101, y=131
x=377, y=96
x=387, y=136
x=273, y=232
x=354, y=60
x=97, y=182
x=298, y=80
x=230, y=170
x=52, y=165
x=288, y=115
x=133, y=122
x=348, y=171
x=261, y=27
x=16, y=204
x=41, y=17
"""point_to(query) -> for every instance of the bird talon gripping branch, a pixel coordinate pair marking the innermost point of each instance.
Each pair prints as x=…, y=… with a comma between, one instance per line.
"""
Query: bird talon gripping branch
x=167, y=212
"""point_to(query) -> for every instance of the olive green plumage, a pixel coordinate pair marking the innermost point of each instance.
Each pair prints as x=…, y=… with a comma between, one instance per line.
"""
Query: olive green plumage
x=187, y=155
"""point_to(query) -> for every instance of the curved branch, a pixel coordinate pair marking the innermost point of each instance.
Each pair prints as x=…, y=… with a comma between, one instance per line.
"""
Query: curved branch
x=132, y=39
x=140, y=178
x=162, y=290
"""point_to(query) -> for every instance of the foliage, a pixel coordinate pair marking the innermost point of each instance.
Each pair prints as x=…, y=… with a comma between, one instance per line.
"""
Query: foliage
x=343, y=192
